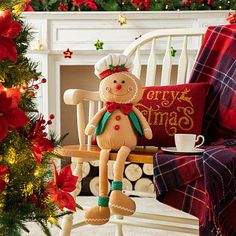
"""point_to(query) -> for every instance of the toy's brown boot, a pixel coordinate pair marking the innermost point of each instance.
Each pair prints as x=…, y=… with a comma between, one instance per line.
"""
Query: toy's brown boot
x=100, y=214
x=120, y=204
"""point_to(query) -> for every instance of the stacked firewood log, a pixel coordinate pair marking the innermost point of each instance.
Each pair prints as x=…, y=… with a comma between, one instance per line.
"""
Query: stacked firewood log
x=137, y=177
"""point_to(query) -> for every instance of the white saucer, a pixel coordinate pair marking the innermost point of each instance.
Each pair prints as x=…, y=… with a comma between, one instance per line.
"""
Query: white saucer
x=173, y=149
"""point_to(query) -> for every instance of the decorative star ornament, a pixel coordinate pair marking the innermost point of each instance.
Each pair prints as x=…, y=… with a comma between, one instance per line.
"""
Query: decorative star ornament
x=99, y=45
x=67, y=53
x=122, y=20
x=231, y=18
x=172, y=52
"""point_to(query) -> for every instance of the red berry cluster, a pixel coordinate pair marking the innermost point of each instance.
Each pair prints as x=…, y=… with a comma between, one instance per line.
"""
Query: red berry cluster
x=35, y=200
x=35, y=85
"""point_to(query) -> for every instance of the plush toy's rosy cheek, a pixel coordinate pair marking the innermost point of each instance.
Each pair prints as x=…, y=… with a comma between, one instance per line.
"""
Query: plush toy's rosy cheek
x=108, y=88
x=130, y=89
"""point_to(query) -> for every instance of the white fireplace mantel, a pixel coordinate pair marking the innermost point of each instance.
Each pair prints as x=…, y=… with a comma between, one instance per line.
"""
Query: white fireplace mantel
x=54, y=32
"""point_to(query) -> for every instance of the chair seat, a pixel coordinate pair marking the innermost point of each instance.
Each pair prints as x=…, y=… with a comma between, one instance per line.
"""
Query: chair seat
x=91, y=152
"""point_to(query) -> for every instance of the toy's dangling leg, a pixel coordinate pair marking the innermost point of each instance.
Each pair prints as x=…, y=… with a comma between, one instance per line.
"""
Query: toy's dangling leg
x=100, y=214
x=121, y=204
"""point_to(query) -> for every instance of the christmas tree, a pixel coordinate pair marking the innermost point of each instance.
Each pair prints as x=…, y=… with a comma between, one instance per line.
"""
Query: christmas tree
x=31, y=189
x=130, y=5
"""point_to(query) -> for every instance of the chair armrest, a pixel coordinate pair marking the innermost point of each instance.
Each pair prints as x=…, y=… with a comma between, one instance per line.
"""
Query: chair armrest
x=75, y=96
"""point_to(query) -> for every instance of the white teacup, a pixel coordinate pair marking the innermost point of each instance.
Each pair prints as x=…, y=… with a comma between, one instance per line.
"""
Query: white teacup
x=186, y=142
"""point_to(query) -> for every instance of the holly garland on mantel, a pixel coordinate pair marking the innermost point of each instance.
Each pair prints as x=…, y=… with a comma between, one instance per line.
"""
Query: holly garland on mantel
x=131, y=5
x=31, y=188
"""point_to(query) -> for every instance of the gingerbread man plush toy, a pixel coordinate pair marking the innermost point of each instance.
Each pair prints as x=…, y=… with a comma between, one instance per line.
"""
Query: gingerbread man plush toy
x=117, y=126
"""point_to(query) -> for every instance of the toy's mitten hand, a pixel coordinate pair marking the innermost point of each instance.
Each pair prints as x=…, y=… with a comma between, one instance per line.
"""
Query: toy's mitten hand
x=89, y=130
x=147, y=133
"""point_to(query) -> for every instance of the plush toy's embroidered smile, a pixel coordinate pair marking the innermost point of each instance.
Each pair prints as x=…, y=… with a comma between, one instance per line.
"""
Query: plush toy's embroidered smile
x=118, y=94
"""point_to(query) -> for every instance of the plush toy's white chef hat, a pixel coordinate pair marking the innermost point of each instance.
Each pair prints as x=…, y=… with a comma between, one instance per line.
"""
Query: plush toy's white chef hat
x=112, y=63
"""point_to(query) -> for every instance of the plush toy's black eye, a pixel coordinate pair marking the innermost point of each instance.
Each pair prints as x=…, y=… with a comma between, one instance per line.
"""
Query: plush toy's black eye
x=114, y=81
x=122, y=81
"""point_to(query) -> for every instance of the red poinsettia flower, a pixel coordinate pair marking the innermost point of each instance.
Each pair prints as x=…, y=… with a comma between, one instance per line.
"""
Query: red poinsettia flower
x=63, y=7
x=78, y=3
x=187, y=3
x=40, y=144
x=3, y=172
x=91, y=4
x=88, y=3
x=142, y=4
x=9, y=29
x=10, y=114
x=59, y=189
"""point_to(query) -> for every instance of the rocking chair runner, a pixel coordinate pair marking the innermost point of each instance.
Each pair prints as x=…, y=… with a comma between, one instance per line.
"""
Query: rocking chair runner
x=182, y=40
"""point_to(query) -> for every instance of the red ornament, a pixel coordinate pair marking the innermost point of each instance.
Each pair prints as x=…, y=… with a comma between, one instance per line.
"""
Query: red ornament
x=59, y=189
x=231, y=18
x=3, y=172
x=9, y=29
x=10, y=114
x=67, y=53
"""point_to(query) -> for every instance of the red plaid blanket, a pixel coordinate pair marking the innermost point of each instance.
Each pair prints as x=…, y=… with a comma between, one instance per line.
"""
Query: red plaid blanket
x=202, y=185
x=205, y=185
x=216, y=63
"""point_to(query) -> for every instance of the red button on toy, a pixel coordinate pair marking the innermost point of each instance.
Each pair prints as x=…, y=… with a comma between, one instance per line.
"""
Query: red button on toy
x=116, y=127
x=118, y=117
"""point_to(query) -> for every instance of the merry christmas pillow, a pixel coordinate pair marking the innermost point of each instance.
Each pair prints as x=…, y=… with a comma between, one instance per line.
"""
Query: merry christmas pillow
x=172, y=109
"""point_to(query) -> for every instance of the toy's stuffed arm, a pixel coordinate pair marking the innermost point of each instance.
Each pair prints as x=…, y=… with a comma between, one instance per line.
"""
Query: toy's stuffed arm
x=91, y=126
x=145, y=126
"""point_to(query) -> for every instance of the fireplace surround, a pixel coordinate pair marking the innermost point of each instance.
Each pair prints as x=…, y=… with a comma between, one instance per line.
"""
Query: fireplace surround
x=55, y=32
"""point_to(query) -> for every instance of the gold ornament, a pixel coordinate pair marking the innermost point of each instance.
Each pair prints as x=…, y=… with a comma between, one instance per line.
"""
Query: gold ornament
x=28, y=189
x=11, y=156
x=122, y=20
